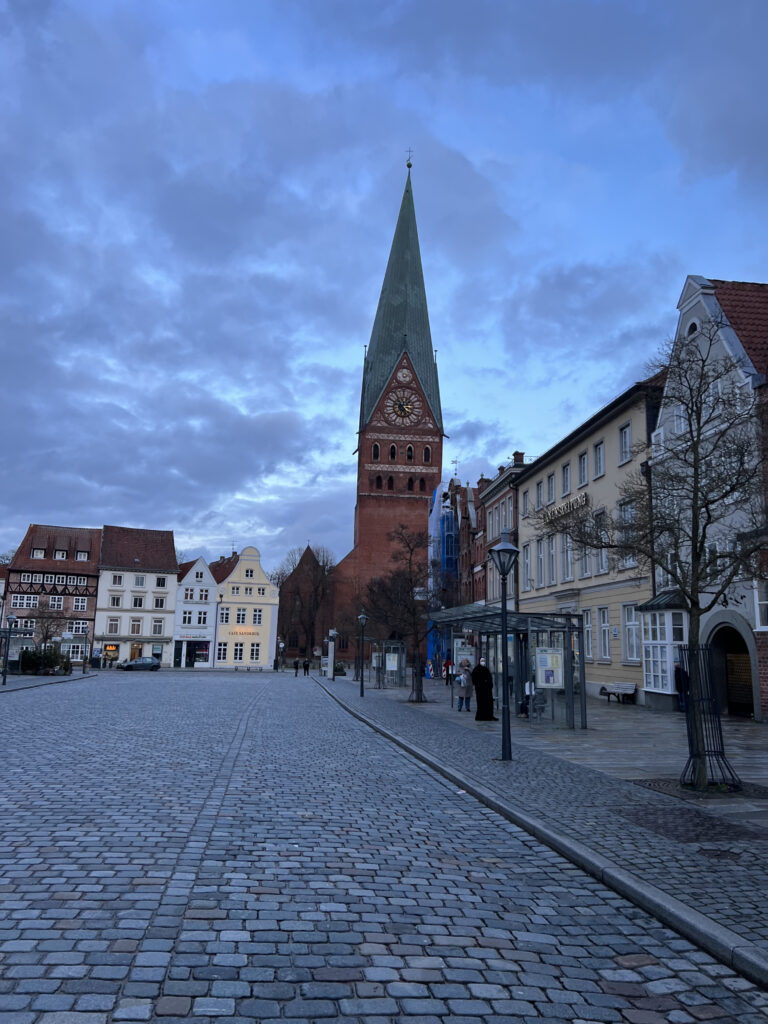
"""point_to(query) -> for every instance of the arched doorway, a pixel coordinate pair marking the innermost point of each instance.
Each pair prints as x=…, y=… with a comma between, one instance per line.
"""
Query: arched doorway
x=733, y=672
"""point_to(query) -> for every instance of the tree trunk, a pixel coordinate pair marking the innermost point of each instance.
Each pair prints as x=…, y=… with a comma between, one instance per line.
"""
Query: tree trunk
x=694, y=706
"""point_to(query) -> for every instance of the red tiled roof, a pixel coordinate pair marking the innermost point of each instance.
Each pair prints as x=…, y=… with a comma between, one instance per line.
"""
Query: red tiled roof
x=746, y=306
x=123, y=547
x=224, y=566
x=184, y=568
x=58, y=538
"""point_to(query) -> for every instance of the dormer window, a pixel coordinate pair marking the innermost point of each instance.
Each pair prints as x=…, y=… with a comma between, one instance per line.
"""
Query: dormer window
x=60, y=554
x=376, y=453
x=81, y=556
x=392, y=452
x=38, y=552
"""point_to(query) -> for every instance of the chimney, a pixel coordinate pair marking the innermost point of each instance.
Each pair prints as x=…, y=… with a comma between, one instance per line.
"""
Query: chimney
x=519, y=458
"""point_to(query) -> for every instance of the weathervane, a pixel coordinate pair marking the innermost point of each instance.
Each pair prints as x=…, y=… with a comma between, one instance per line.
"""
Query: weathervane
x=409, y=151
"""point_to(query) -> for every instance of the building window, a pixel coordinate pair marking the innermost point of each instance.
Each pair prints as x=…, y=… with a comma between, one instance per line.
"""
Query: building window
x=656, y=674
x=761, y=599
x=80, y=604
x=566, y=556
x=422, y=484
x=240, y=616
x=221, y=651
x=157, y=627
x=550, y=488
x=249, y=591
x=410, y=483
x=625, y=443
x=113, y=626
x=72, y=580
x=56, y=603
x=539, y=494
x=604, y=623
x=199, y=575
x=38, y=552
x=630, y=632
x=138, y=602
x=161, y=582
x=257, y=613
x=679, y=419
x=261, y=591
x=249, y=574
x=135, y=627
x=237, y=652
x=203, y=594
x=427, y=454
x=376, y=453
x=115, y=600
x=552, y=559
x=139, y=581
x=392, y=452
x=117, y=580
x=224, y=615
x=189, y=593
x=601, y=554
x=390, y=483
x=186, y=618
x=378, y=483
x=526, y=567
x=255, y=651
x=235, y=591
x=24, y=600
x=599, y=459
x=60, y=579
x=583, y=469
x=566, y=479
x=409, y=453
x=202, y=618
x=60, y=555
x=526, y=507
x=540, y=563
x=48, y=578
x=587, y=633
x=81, y=556
x=626, y=526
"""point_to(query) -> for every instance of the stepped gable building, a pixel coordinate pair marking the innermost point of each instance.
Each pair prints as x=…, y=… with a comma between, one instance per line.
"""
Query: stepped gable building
x=52, y=584
x=400, y=438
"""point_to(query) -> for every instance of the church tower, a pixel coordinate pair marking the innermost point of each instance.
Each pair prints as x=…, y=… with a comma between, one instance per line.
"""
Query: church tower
x=400, y=442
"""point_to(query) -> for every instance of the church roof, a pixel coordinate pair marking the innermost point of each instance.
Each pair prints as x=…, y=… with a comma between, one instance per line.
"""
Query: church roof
x=402, y=321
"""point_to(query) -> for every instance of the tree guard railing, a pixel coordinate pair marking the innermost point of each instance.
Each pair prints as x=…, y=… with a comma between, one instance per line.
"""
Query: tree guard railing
x=707, y=763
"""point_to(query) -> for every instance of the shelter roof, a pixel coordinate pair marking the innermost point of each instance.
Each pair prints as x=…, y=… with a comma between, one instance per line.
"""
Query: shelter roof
x=486, y=618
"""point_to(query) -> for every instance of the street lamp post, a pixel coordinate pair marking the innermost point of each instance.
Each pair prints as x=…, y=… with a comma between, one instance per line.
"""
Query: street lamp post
x=362, y=618
x=216, y=630
x=85, y=647
x=332, y=634
x=281, y=645
x=504, y=555
x=10, y=624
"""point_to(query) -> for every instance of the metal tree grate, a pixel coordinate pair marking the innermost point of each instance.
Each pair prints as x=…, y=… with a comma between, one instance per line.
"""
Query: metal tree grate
x=702, y=719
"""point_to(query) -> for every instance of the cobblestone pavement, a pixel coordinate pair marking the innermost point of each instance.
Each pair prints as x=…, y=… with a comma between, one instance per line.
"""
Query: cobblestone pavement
x=706, y=873
x=238, y=848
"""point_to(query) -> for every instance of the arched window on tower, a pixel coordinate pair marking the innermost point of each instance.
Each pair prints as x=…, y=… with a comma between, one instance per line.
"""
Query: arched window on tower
x=427, y=454
x=376, y=453
x=392, y=452
x=390, y=483
x=378, y=483
x=410, y=483
x=409, y=453
x=422, y=485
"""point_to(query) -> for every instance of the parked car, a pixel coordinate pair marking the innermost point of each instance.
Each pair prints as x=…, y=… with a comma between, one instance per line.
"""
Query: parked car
x=151, y=664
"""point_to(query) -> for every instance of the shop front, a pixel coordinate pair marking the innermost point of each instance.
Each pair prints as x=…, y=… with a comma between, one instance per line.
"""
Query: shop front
x=192, y=651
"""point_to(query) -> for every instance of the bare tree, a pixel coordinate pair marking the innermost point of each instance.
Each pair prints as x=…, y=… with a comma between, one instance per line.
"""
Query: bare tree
x=6, y=557
x=399, y=602
x=694, y=512
x=304, y=579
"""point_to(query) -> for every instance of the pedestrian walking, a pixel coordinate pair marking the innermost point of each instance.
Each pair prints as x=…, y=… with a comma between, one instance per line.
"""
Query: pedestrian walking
x=464, y=682
x=482, y=680
x=296, y=666
x=306, y=666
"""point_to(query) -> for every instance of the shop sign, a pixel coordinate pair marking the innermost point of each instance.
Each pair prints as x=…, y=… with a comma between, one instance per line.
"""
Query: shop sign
x=571, y=505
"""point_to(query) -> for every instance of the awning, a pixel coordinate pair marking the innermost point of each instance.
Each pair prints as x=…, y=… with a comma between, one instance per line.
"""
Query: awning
x=663, y=602
x=486, y=618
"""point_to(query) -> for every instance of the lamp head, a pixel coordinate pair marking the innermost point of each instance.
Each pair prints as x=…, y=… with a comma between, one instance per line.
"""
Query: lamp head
x=362, y=618
x=504, y=554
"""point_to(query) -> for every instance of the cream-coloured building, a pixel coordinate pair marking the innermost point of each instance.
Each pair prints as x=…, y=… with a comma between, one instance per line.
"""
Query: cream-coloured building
x=246, y=623
x=586, y=467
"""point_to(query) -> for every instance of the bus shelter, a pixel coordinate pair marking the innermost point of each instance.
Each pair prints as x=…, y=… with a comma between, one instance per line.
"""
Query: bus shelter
x=545, y=655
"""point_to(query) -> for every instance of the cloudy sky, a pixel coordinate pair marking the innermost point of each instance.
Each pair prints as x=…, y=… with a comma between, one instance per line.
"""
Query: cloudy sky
x=197, y=200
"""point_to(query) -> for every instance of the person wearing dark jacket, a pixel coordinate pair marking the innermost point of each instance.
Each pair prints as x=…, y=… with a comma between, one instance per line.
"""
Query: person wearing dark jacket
x=482, y=680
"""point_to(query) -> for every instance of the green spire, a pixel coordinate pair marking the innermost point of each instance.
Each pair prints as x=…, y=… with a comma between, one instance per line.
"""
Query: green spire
x=402, y=321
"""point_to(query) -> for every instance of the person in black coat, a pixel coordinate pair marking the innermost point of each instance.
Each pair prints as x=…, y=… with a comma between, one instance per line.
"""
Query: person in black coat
x=483, y=683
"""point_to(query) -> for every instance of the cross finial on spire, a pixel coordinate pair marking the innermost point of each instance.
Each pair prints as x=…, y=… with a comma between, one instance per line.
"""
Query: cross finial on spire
x=409, y=151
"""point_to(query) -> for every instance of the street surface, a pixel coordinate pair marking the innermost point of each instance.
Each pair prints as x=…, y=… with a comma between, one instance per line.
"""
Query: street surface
x=239, y=847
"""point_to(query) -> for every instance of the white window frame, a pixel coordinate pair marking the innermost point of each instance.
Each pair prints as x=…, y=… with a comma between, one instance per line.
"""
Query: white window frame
x=552, y=559
x=257, y=616
x=587, y=614
x=583, y=462
x=115, y=600
x=237, y=651
x=80, y=604
x=224, y=615
x=550, y=488
x=117, y=579
x=566, y=557
x=60, y=555
x=625, y=443
x=202, y=618
x=113, y=627
x=539, y=493
x=221, y=650
x=540, y=563
x=157, y=627
x=255, y=651
x=604, y=625
x=526, y=566
x=565, y=479
x=632, y=651
x=56, y=602
x=760, y=588
x=38, y=552
x=139, y=581
x=525, y=511
x=240, y=616
x=186, y=617
x=135, y=629
x=81, y=556
x=598, y=456
x=159, y=603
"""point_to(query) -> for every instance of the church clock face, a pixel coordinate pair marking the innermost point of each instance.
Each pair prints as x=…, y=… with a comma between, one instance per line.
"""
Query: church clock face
x=402, y=407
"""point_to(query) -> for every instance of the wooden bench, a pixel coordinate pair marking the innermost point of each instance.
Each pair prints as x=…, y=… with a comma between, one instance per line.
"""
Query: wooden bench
x=621, y=691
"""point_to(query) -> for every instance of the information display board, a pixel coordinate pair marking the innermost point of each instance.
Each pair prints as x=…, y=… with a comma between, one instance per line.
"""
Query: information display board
x=549, y=668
